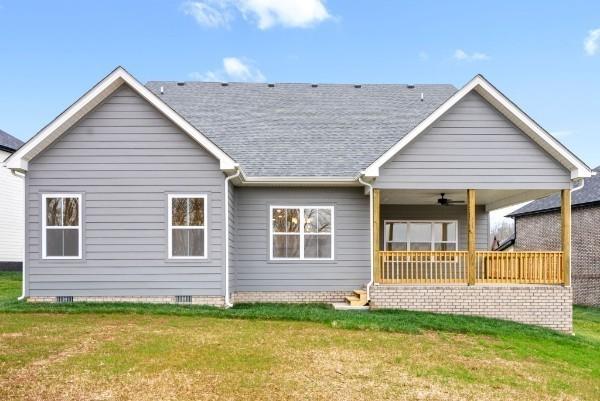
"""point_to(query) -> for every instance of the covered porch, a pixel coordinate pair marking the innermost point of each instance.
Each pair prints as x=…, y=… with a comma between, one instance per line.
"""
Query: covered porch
x=420, y=240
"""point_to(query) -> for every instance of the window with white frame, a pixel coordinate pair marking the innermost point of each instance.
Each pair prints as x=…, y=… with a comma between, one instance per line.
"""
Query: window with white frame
x=302, y=232
x=187, y=226
x=61, y=226
x=404, y=235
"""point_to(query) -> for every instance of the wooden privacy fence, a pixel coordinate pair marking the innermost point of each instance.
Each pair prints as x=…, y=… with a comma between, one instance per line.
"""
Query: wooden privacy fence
x=438, y=267
x=519, y=267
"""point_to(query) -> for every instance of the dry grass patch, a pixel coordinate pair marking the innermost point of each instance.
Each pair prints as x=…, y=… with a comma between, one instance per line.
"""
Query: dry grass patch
x=133, y=357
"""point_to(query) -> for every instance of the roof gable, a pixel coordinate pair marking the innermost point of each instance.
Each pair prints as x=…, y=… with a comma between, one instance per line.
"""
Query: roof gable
x=480, y=85
x=101, y=91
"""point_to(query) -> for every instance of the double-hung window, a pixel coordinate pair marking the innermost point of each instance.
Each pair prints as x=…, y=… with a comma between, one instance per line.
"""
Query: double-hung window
x=302, y=232
x=401, y=235
x=187, y=226
x=61, y=226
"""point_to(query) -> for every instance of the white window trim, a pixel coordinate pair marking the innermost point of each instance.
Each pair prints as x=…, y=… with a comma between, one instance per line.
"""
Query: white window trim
x=79, y=226
x=170, y=197
x=386, y=242
x=301, y=232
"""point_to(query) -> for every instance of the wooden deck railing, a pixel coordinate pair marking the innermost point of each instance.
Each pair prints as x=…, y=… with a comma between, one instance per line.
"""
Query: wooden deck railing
x=415, y=267
x=438, y=267
x=519, y=267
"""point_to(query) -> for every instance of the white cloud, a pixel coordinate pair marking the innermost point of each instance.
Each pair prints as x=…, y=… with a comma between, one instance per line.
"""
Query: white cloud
x=233, y=69
x=265, y=13
x=209, y=14
x=461, y=55
x=591, y=44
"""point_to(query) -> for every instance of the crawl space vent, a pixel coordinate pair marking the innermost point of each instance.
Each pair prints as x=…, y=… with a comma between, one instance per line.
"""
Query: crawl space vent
x=183, y=299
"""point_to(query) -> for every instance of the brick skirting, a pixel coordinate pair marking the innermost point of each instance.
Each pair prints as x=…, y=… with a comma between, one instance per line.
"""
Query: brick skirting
x=196, y=300
x=548, y=306
x=290, y=296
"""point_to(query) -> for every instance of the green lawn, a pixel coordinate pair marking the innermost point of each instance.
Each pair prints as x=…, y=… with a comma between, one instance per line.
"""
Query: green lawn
x=169, y=352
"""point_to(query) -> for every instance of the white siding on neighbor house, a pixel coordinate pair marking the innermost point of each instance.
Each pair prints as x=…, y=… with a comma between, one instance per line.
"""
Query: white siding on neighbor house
x=12, y=220
x=125, y=158
x=473, y=146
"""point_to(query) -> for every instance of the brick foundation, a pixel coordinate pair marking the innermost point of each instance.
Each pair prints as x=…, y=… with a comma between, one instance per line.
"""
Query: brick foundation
x=196, y=300
x=290, y=296
x=548, y=306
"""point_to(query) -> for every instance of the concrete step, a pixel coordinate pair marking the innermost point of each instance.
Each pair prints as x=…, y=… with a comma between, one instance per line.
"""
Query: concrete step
x=345, y=306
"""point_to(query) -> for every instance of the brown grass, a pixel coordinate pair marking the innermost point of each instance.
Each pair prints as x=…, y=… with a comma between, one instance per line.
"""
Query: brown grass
x=136, y=357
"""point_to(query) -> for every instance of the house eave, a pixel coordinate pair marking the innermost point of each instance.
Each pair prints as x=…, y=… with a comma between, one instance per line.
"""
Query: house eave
x=245, y=180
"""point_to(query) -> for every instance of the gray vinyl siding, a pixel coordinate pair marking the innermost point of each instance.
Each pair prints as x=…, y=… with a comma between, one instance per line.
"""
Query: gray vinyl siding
x=433, y=212
x=125, y=158
x=256, y=272
x=473, y=146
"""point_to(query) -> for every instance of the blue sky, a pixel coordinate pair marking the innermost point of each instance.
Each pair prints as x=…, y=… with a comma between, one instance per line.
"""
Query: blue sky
x=545, y=55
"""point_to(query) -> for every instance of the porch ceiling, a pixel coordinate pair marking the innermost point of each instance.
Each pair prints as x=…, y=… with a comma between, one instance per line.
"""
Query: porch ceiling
x=491, y=198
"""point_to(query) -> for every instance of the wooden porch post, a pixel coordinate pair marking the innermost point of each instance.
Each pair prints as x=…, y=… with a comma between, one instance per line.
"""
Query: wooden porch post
x=471, y=260
x=376, y=234
x=565, y=212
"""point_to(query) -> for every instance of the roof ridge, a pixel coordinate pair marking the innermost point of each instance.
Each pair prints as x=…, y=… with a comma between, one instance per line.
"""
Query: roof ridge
x=303, y=83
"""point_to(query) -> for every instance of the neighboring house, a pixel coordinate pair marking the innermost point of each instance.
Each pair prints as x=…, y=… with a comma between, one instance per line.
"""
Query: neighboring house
x=507, y=245
x=216, y=193
x=537, y=226
x=12, y=220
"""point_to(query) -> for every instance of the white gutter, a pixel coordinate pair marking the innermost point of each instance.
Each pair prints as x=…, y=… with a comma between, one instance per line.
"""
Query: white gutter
x=228, y=303
x=366, y=184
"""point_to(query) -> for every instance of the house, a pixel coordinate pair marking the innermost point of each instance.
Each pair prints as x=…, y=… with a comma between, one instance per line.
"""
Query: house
x=537, y=226
x=506, y=245
x=12, y=220
x=221, y=193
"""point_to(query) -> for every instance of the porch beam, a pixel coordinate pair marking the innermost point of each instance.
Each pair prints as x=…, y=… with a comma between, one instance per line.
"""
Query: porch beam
x=565, y=212
x=376, y=234
x=471, y=256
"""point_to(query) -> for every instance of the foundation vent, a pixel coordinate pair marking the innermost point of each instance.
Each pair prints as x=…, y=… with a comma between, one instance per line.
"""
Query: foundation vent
x=183, y=299
x=64, y=299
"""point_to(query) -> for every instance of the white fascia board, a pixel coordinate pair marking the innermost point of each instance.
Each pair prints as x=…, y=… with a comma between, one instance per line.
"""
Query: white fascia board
x=19, y=159
x=577, y=168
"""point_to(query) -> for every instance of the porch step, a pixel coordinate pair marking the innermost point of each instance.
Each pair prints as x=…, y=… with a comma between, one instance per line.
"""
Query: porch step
x=362, y=294
x=358, y=299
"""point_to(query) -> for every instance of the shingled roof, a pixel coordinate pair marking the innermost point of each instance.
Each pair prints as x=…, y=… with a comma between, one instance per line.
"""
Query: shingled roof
x=8, y=142
x=302, y=130
x=589, y=194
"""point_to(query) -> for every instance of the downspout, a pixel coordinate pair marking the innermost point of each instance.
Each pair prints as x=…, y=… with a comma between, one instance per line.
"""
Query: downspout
x=23, y=276
x=579, y=187
x=366, y=184
x=228, y=303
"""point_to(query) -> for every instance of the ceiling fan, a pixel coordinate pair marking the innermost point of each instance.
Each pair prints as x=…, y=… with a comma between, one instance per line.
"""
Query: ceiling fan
x=447, y=202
